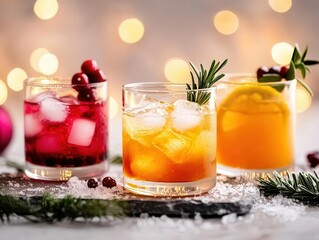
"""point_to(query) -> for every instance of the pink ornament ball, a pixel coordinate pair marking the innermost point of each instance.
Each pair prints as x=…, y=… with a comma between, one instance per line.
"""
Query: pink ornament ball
x=6, y=129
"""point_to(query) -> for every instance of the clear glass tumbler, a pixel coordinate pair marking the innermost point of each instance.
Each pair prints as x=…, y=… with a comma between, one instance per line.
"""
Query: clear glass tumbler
x=66, y=129
x=255, y=125
x=169, y=143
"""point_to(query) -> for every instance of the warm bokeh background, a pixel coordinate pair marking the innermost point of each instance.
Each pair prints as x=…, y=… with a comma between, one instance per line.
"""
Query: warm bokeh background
x=155, y=46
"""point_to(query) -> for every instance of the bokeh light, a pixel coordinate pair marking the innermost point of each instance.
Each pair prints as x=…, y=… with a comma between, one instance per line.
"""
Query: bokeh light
x=176, y=70
x=303, y=99
x=46, y=9
x=16, y=78
x=280, y=6
x=3, y=92
x=48, y=64
x=131, y=30
x=282, y=52
x=226, y=22
x=35, y=57
x=114, y=107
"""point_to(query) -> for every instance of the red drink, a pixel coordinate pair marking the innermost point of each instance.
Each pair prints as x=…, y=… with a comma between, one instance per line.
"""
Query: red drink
x=65, y=128
x=77, y=141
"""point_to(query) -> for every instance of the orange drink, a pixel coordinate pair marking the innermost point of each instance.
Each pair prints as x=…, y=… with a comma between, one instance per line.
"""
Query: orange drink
x=255, y=125
x=169, y=143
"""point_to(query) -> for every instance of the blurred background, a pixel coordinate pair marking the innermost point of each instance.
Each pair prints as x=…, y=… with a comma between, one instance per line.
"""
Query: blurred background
x=139, y=40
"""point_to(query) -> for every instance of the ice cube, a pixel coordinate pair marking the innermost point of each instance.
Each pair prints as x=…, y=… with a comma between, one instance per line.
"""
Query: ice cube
x=186, y=107
x=70, y=100
x=148, y=120
x=53, y=110
x=150, y=105
x=82, y=132
x=186, y=115
x=145, y=121
x=49, y=143
x=182, y=123
x=173, y=145
x=32, y=124
x=148, y=165
x=41, y=96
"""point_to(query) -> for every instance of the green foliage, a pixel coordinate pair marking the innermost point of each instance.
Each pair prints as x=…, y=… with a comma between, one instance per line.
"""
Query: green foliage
x=205, y=79
x=50, y=209
x=301, y=186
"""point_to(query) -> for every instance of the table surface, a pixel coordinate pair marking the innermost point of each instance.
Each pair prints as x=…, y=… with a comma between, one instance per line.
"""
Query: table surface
x=275, y=218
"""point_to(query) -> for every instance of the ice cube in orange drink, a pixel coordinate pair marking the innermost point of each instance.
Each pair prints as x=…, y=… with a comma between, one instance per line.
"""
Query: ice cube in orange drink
x=254, y=129
x=181, y=150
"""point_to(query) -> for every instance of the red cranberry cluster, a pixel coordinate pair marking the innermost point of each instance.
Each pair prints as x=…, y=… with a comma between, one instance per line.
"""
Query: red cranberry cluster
x=106, y=182
x=278, y=70
x=313, y=159
x=90, y=73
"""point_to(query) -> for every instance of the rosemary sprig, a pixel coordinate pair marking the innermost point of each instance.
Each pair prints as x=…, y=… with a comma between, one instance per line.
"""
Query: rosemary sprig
x=205, y=79
x=50, y=209
x=302, y=186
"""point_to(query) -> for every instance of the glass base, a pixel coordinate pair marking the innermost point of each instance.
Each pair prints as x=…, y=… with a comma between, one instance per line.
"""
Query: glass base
x=250, y=173
x=174, y=189
x=64, y=174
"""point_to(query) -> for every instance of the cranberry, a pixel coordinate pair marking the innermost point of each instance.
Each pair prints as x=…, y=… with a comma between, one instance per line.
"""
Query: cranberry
x=284, y=70
x=275, y=69
x=80, y=79
x=89, y=66
x=108, y=182
x=92, y=183
x=97, y=76
x=261, y=71
x=86, y=95
x=313, y=159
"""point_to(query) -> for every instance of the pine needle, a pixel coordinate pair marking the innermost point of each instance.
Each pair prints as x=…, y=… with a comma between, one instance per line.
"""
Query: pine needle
x=205, y=79
x=50, y=209
x=302, y=186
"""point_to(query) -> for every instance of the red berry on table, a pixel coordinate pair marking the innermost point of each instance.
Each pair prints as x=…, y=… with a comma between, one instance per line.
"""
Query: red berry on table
x=89, y=66
x=108, y=182
x=96, y=76
x=80, y=79
x=92, y=183
x=261, y=71
x=313, y=159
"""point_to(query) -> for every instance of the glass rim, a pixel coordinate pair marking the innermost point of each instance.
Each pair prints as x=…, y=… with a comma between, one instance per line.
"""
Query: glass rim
x=161, y=87
x=228, y=76
x=55, y=82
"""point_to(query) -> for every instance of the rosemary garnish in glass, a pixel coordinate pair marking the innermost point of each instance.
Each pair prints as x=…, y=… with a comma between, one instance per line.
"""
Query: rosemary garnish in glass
x=205, y=79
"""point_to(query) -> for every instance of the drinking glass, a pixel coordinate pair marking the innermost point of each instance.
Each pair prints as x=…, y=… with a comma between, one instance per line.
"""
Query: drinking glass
x=66, y=128
x=169, y=143
x=255, y=125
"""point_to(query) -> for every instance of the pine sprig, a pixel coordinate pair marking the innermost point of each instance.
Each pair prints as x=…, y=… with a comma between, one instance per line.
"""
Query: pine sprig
x=205, y=79
x=302, y=186
x=50, y=209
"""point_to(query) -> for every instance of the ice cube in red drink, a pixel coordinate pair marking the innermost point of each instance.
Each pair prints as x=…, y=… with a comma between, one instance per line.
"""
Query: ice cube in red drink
x=70, y=133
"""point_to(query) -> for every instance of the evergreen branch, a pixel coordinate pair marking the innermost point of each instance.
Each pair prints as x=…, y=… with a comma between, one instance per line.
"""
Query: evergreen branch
x=117, y=159
x=301, y=186
x=205, y=79
x=49, y=209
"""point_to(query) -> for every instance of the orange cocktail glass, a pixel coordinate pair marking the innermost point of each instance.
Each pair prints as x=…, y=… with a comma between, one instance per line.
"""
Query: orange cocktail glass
x=169, y=143
x=255, y=125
